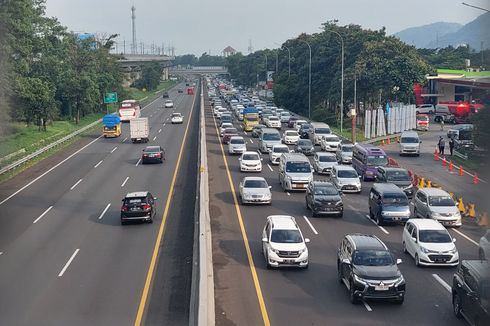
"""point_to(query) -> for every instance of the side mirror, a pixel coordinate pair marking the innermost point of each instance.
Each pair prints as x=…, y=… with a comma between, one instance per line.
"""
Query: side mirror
x=261, y=159
x=414, y=239
x=360, y=177
x=398, y=261
x=307, y=240
x=270, y=187
x=345, y=261
x=454, y=239
x=264, y=240
x=239, y=158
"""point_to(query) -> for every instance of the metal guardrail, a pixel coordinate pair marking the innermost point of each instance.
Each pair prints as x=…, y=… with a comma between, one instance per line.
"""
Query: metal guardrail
x=461, y=155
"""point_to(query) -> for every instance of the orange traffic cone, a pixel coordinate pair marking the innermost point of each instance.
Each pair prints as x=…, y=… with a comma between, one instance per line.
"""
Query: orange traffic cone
x=460, y=170
x=451, y=166
x=475, y=179
x=436, y=153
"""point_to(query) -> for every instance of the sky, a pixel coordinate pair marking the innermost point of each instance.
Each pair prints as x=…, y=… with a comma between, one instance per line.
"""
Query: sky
x=198, y=26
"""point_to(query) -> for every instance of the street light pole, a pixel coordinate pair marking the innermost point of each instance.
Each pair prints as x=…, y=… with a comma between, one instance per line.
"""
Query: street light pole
x=309, y=80
x=342, y=80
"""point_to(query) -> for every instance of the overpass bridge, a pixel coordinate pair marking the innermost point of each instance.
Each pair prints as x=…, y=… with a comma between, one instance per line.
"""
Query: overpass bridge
x=201, y=70
x=131, y=65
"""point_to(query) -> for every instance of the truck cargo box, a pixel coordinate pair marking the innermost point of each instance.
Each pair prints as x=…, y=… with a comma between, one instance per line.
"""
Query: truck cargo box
x=139, y=130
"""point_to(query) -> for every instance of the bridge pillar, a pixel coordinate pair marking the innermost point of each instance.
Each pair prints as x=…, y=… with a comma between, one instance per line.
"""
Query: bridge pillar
x=165, y=74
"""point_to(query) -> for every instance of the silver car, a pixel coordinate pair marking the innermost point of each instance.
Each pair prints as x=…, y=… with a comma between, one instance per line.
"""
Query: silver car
x=436, y=204
x=344, y=153
x=324, y=162
x=255, y=190
x=346, y=179
x=237, y=145
x=484, y=246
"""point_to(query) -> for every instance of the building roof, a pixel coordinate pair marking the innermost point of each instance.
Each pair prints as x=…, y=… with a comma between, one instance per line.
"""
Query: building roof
x=229, y=49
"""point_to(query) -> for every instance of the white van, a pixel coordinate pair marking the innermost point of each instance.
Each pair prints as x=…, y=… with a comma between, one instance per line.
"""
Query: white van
x=410, y=143
x=318, y=131
x=295, y=171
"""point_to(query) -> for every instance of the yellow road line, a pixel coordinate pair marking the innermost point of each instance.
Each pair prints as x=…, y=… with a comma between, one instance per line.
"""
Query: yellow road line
x=151, y=267
x=258, y=290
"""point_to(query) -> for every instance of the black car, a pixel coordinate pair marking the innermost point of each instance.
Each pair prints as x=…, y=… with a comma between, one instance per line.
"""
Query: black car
x=304, y=146
x=471, y=291
x=369, y=270
x=292, y=121
x=257, y=130
x=180, y=90
x=165, y=95
x=397, y=176
x=304, y=131
x=324, y=198
x=152, y=154
x=138, y=206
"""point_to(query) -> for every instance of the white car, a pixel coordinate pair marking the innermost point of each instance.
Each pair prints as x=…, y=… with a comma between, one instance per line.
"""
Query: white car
x=429, y=243
x=169, y=104
x=250, y=162
x=484, y=246
x=324, y=162
x=273, y=122
x=237, y=145
x=223, y=126
x=283, y=244
x=221, y=111
x=425, y=109
x=330, y=143
x=255, y=190
x=346, y=179
x=284, y=117
x=177, y=118
x=298, y=123
x=216, y=109
x=290, y=137
x=276, y=152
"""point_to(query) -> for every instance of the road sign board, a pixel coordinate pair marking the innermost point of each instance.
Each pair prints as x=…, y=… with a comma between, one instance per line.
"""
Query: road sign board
x=110, y=98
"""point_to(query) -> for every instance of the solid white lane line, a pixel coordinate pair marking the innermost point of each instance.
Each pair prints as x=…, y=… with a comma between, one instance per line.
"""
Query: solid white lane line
x=442, y=282
x=96, y=165
x=68, y=263
x=245, y=133
x=51, y=169
x=270, y=168
x=76, y=184
x=164, y=124
x=466, y=237
x=368, y=308
x=151, y=115
x=160, y=130
x=125, y=180
x=311, y=225
x=380, y=227
x=138, y=163
x=154, y=138
x=42, y=215
x=125, y=139
x=251, y=141
x=113, y=149
x=104, y=211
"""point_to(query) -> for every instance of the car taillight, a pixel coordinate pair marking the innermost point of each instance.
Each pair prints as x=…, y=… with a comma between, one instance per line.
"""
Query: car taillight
x=145, y=155
x=146, y=206
x=157, y=155
x=124, y=208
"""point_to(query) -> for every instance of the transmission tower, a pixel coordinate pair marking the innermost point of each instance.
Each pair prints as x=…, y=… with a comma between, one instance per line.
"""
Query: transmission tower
x=134, y=46
x=250, y=48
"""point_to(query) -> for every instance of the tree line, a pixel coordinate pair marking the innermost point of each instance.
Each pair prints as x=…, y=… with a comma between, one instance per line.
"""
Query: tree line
x=52, y=73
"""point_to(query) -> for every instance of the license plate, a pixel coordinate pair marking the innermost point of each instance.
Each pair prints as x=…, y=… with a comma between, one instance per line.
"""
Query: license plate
x=381, y=288
x=288, y=261
x=134, y=209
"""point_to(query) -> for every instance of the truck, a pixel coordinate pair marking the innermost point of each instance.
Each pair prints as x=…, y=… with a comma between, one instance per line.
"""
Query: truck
x=139, y=130
x=112, y=126
x=129, y=109
x=250, y=118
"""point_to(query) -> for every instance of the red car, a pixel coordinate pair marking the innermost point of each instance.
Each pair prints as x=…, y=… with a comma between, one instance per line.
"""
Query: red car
x=227, y=134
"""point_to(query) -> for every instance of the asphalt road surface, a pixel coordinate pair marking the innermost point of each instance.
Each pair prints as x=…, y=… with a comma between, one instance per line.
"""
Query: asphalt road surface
x=249, y=294
x=65, y=258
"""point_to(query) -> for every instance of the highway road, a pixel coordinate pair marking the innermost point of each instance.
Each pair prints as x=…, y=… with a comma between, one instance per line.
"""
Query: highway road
x=65, y=258
x=249, y=294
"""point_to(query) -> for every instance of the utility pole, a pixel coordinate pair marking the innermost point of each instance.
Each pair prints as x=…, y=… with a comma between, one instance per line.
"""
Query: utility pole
x=134, y=47
x=354, y=112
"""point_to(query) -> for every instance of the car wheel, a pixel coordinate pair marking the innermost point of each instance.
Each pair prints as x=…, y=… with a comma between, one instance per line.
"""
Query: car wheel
x=379, y=220
x=340, y=215
x=306, y=267
x=371, y=216
x=415, y=213
x=417, y=260
x=352, y=294
x=306, y=204
x=150, y=220
x=481, y=254
x=267, y=262
x=457, y=306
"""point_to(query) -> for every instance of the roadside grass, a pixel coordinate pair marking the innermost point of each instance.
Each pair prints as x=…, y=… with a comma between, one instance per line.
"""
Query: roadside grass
x=138, y=94
x=472, y=165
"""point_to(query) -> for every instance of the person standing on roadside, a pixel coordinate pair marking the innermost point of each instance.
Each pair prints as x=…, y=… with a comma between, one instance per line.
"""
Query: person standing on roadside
x=442, y=124
x=451, y=145
x=441, y=144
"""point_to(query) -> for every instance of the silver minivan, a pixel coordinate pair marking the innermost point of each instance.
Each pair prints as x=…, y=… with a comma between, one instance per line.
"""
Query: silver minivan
x=295, y=171
x=409, y=143
x=318, y=131
x=436, y=204
x=268, y=138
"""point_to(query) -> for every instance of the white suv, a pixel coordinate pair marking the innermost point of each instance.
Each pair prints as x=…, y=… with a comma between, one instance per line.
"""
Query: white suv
x=283, y=244
x=276, y=152
x=425, y=109
x=429, y=243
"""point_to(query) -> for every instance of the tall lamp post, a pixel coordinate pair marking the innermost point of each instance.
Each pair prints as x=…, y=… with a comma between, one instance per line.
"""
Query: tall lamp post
x=265, y=55
x=309, y=80
x=342, y=81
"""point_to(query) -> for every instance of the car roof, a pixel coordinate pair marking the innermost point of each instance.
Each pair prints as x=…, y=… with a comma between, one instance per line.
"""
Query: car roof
x=434, y=192
x=344, y=167
x=409, y=134
x=387, y=187
x=366, y=241
x=236, y=137
x=322, y=183
x=254, y=179
x=290, y=130
x=388, y=169
x=426, y=224
x=280, y=145
x=283, y=222
x=136, y=194
x=250, y=152
x=324, y=154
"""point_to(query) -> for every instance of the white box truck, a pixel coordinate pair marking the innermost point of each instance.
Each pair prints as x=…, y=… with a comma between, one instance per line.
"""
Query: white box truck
x=139, y=129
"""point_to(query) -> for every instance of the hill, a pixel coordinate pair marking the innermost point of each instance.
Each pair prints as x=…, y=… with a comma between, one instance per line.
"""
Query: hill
x=422, y=36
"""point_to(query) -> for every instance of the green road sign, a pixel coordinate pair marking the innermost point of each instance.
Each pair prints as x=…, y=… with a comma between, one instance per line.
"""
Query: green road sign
x=110, y=98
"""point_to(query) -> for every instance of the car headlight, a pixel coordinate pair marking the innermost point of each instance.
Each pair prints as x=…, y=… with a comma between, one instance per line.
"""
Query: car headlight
x=339, y=203
x=302, y=250
x=453, y=251
x=274, y=250
x=359, y=280
x=400, y=280
x=424, y=250
x=457, y=214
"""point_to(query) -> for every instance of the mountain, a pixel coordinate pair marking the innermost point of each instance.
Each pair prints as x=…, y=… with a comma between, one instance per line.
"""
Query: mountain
x=472, y=33
x=421, y=36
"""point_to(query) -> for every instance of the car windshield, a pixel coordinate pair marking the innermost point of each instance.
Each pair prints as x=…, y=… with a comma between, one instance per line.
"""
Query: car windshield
x=291, y=133
x=322, y=130
x=226, y=125
x=434, y=236
x=377, y=160
x=175, y=115
x=237, y=141
x=305, y=142
x=273, y=118
x=305, y=126
x=250, y=157
x=273, y=136
x=395, y=200
x=152, y=149
x=231, y=131
x=326, y=191
x=409, y=140
x=255, y=184
x=331, y=138
x=347, y=174
x=327, y=158
x=423, y=118
x=249, y=118
x=347, y=149
x=298, y=167
x=401, y=175
x=135, y=201
x=441, y=201
x=286, y=236
x=372, y=258
x=280, y=149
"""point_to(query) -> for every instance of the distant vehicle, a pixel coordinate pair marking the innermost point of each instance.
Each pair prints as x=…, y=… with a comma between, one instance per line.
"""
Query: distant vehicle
x=250, y=162
x=180, y=90
x=226, y=117
x=409, y=143
x=330, y=143
x=257, y=130
x=323, y=198
x=223, y=126
x=324, y=162
x=139, y=130
x=436, y=204
x=422, y=121
x=304, y=130
x=368, y=269
x=344, y=153
x=169, y=104
x=268, y=138
x=273, y=122
x=388, y=204
x=139, y=205
x=470, y=292
x=429, y=243
x=254, y=190
x=165, y=95
x=318, y=131
x=276, y=152
x=129, y=109
x=346, y=179
x=190, y=91
x=425, y=109
x=237, y=145
x=304, y=146
x=283, y=244
x=290, y=137
x=152, y=154
x=298, y=123
x=397, y=176
x=227, y=134
x=484, y=246
x=291, y=121
x=250, y=118
x=176, y=118
x=443, y=114
x=366, y=158
x=112, y=126
x=462, y=110
x=284, y=117
x=295, y=171
x=462, y=135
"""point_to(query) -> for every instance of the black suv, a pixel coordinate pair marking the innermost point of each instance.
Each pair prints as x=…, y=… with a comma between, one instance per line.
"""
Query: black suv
x=324, y=198
x=165, y=95
x=139, y=205
x=397, y=176
x=471, y=291
x=369, y=270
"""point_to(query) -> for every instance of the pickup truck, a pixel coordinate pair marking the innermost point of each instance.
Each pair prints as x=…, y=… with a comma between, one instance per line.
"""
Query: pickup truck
x=442, y=113
x=139, y=130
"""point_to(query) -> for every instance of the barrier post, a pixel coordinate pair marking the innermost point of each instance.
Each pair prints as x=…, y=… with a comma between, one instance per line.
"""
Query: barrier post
x=471, y=210
x=436, y=154
x=483, y=219
x=461, y=207
x=429, y=184
x=460, y=170
x=475, y=179
x=451, y=166
x=422, y=182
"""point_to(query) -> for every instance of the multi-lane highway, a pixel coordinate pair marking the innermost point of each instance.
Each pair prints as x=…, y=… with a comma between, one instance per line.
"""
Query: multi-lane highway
x=249, y=294
x=65, y=257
